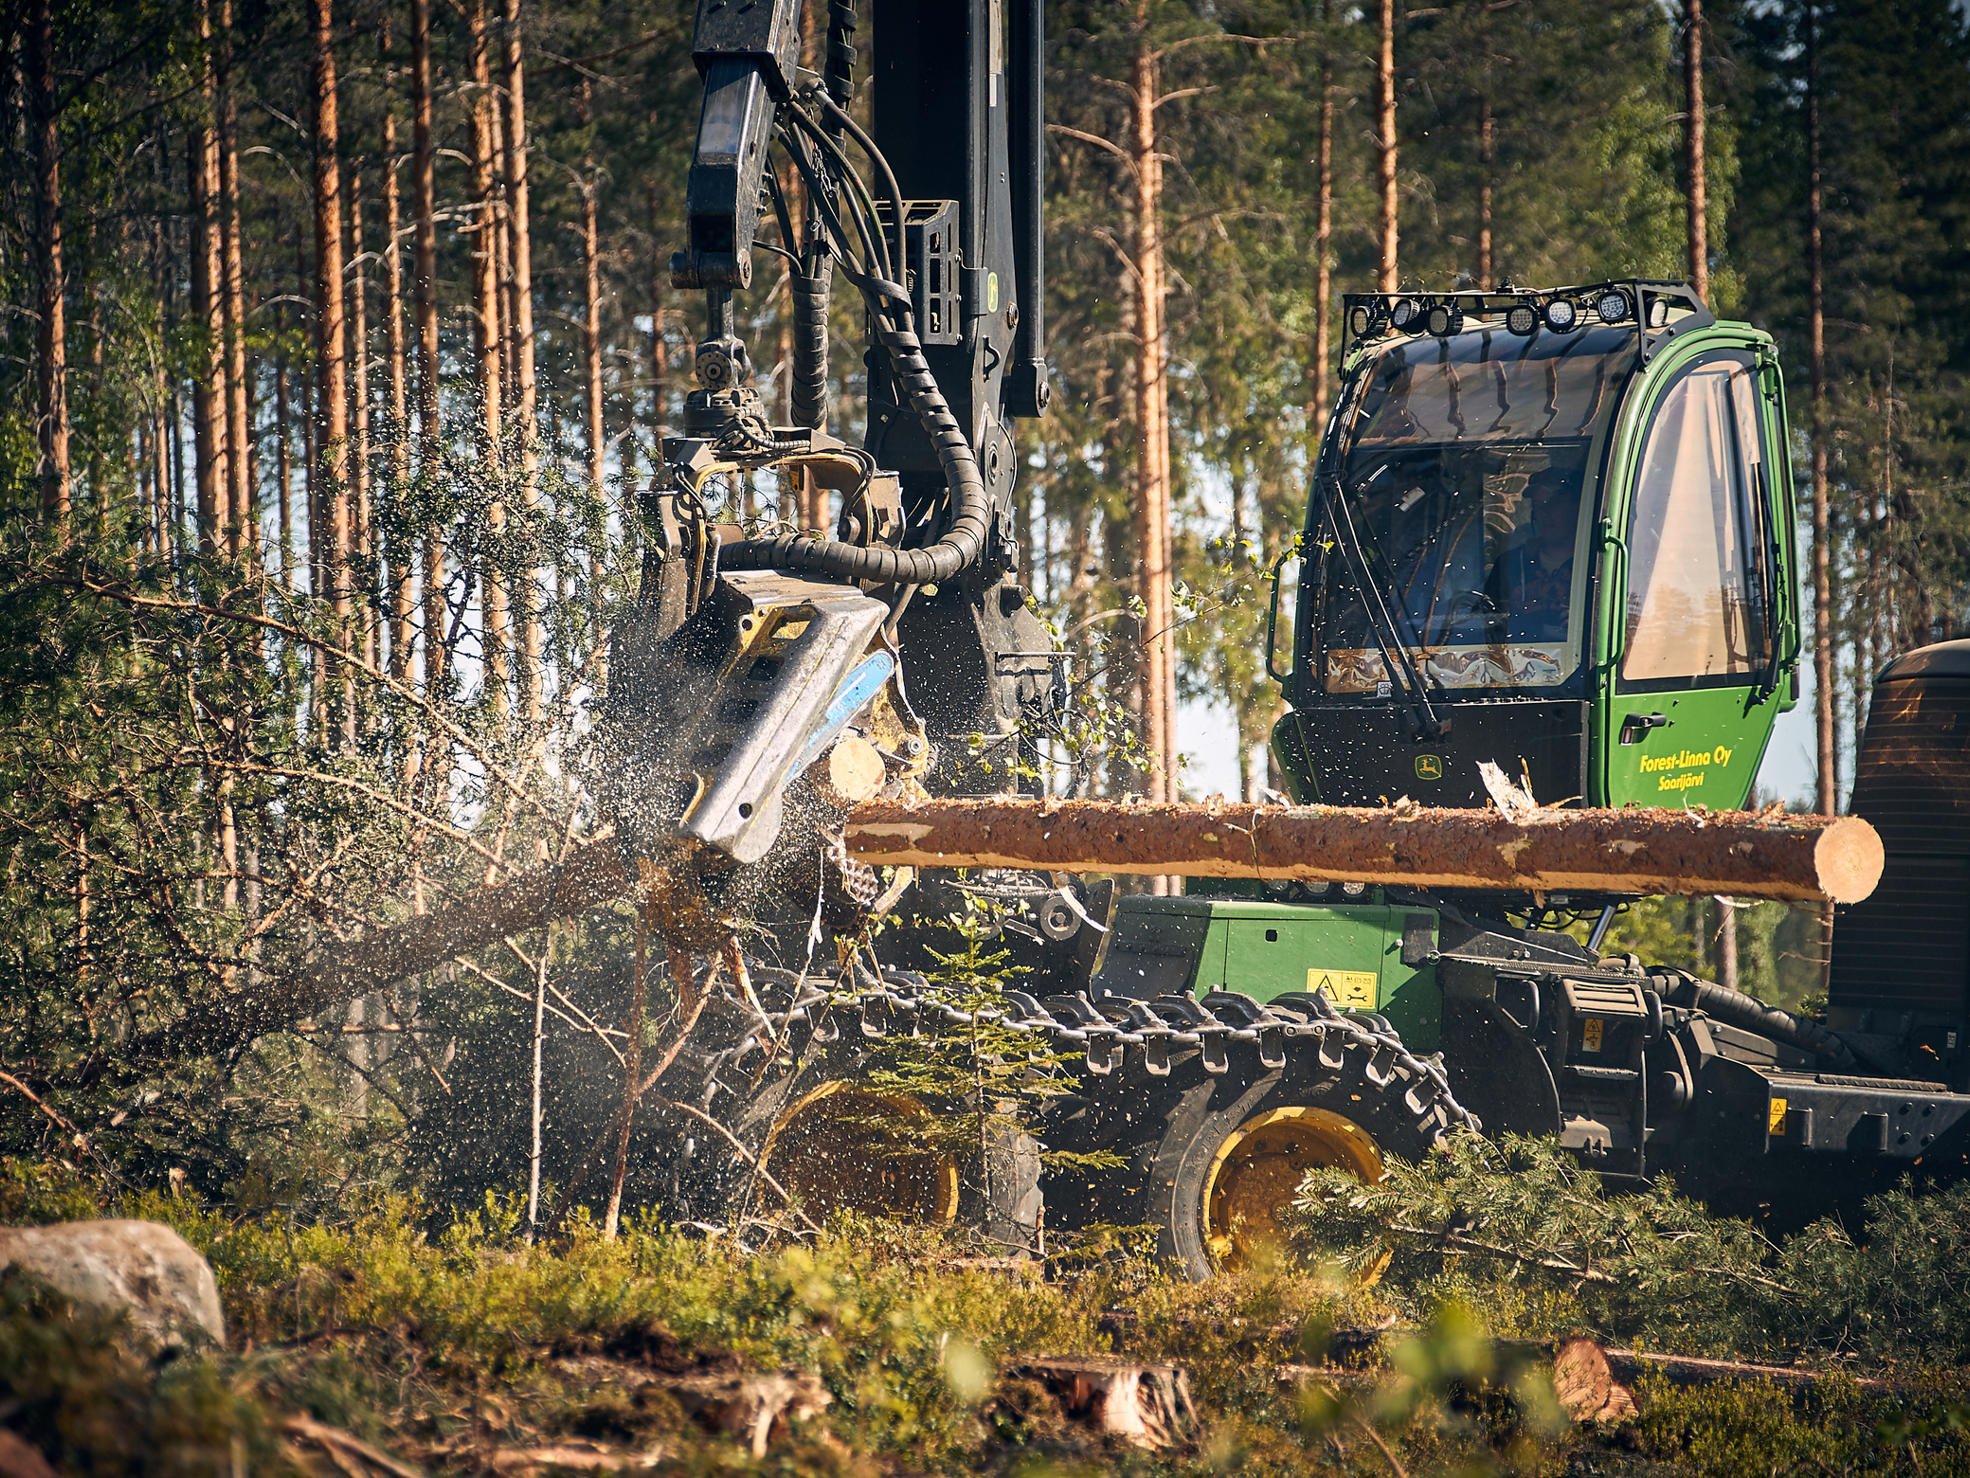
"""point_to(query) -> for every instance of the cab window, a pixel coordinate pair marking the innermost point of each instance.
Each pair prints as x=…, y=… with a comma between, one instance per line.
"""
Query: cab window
x=1697, y=585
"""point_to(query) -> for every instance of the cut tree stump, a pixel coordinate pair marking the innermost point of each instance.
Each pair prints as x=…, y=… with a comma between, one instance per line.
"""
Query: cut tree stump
x=1147, y=1405
x=1585, y=1384
x=1764, y=854
x=750, y=1407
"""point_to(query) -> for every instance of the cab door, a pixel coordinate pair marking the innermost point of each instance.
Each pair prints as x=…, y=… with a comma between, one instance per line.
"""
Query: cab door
x=1697, y=627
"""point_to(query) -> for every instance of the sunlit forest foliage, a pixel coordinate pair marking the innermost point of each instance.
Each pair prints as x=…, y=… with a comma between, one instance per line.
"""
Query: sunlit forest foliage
x=339, y=337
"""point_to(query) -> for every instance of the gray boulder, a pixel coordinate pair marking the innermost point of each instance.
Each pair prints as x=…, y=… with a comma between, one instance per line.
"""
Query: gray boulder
x=140, y=1267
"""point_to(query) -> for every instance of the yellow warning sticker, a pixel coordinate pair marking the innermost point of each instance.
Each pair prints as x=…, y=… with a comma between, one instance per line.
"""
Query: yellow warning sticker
x=1591, y=1031
x=1355, y=989
x=1775, y=1117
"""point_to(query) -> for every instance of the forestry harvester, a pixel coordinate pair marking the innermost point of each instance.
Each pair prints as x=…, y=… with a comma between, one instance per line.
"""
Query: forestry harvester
x=1550, y=532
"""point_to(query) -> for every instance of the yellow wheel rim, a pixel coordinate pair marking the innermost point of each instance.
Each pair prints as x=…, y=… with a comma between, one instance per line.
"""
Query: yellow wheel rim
x=1259, y=1167
x=844, y=1147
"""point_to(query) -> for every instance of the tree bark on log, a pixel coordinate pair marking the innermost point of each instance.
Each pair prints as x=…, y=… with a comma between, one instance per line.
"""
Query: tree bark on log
x=1764, y=855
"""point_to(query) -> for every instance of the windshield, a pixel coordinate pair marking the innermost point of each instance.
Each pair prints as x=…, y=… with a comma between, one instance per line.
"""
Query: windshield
x=1462, y=462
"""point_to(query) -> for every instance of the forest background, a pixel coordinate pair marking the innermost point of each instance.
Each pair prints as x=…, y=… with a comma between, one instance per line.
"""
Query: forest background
x=338, y=337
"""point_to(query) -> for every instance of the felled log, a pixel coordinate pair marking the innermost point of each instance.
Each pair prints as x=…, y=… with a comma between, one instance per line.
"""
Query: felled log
x=1147, y=1405
x=1592, y=1381
x=1582, y=1377
x=1766, y=854
x=1692, y=1370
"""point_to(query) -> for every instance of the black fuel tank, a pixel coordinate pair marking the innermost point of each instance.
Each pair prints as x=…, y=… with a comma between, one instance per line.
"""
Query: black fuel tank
x=1901, y=959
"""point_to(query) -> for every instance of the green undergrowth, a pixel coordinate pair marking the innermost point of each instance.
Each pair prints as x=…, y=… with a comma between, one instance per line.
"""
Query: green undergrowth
x=1516, y=1227
x=452, y=1343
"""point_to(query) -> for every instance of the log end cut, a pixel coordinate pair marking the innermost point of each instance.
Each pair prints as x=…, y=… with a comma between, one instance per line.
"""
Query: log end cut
x=1849, y=857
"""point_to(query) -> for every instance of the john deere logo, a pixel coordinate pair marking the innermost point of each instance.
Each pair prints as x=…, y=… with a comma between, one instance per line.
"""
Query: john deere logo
x=1429, y=767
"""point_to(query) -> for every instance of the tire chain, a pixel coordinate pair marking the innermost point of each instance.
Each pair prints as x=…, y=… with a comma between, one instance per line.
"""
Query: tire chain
x=1105, y=1032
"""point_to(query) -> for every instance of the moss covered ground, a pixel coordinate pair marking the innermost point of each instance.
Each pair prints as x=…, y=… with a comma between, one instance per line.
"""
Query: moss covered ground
x=450, y=1344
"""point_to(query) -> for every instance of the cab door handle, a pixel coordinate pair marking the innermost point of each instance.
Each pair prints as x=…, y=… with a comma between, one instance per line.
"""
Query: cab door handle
x=1635, y=727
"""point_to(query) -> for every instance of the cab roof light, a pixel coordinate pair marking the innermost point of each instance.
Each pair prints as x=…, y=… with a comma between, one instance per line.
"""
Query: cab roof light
x=1613, y=306
x=1406, y=314
x=1444, y=319
x=1561, y=315
x=1522, y=318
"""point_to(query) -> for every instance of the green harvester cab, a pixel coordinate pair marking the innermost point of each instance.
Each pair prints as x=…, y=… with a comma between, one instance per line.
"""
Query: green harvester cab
x=1551, y=531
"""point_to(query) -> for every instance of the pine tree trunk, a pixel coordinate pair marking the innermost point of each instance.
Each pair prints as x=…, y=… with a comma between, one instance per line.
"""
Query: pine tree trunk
x=1323, y=239
x=239, y=462
x=250, y=455
x=1693, y=161
x=1152, y=418
x=1487, y=156
x=1825, y=720
x=211, y=399
x=591, y=357
x=363, y=519
x=158, y=440
x=525, y=390
x=489, y=340
x=332, y=399
x=1127, y=665
x=158, y=480
x=1386, y=276
x=403, y=594
x=424, y=290
x=51, y=335
x=84, y=906
x=284, y=475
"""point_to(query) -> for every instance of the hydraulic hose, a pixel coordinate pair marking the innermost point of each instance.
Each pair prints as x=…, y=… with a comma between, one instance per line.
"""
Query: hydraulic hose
x=1753, y=1015
x=963, y=541
x=838, y=72
x=808, y=388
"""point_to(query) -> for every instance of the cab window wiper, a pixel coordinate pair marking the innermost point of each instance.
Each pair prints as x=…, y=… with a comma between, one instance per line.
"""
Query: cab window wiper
x=1396, y=653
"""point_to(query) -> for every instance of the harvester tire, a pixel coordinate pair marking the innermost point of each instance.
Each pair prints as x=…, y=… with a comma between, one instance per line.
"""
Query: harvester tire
x=820, y=1135
x=1213, y=1158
